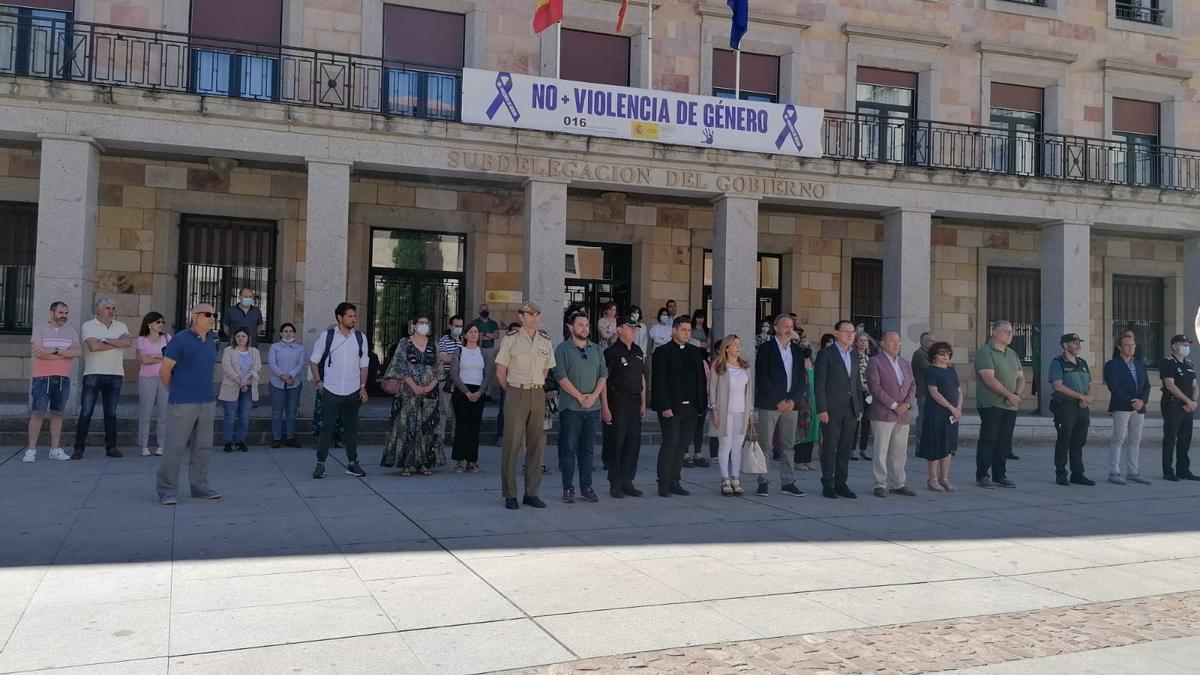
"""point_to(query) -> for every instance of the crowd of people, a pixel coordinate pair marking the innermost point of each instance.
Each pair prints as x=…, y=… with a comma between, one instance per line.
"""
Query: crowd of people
x=778, y=392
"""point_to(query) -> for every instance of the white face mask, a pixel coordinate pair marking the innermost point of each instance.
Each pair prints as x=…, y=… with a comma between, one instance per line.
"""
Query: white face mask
x=636, y=316
x=665, y=320
x=288, y=340
x=1184, y=351
x=456, y=331
x=422, y=329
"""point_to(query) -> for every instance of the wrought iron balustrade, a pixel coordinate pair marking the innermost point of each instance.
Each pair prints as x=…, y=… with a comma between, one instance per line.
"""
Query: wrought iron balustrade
x=1036, y=3
x=176, y=62
x=1141, y=11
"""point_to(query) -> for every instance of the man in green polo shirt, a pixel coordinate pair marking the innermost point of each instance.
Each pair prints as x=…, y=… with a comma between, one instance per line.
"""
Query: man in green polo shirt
x=999, y=385
x=1072, y=384
x=581, y=373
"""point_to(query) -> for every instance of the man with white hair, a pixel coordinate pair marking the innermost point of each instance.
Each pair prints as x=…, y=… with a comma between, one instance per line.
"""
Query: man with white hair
x=104, y=343
x=1000, y=383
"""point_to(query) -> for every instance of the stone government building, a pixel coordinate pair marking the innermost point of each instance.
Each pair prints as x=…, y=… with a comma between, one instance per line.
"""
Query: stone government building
x=984, y=159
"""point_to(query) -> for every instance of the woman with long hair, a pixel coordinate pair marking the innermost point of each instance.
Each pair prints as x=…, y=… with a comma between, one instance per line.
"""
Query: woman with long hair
x=152, y=395
x=413, y=443
x=731, y=390
x=240, y=366
x=470, y=372
x=606, y=326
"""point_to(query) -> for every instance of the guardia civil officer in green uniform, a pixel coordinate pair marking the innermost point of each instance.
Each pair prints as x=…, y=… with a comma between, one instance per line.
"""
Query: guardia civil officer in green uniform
x=1071, y=381
x=525, y=357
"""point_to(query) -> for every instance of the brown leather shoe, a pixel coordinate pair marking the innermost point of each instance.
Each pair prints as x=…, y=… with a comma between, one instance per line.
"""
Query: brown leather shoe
x=880, y=492
x=903, y=490
x=113, y=452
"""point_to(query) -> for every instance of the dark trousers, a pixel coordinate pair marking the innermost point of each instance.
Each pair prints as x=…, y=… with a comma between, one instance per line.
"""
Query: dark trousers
x=346, y=406
x=1072, y=423
x=995, y=442
x=698, y=436
x=107, y=387
x=623, y=438
x=576, y=437
x=803, y=452
x=1177, y=440
x=864, y=429
x=677, y=433
x=500, y=417
x=468, y=417
x=837, y=440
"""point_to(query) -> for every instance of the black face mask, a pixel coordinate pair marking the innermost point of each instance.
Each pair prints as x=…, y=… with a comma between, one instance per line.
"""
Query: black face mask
x=484, y=314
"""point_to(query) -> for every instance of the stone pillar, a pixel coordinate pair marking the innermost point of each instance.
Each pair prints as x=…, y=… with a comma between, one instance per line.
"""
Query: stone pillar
x=907, y=261
x=1066, y=286
x=1190, y=318
x=326, y=245
x=545, y=249
x=735, y=254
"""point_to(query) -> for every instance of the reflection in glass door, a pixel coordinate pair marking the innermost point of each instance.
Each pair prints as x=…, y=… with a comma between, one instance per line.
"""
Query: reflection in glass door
x=769, y=295
x=597, y=274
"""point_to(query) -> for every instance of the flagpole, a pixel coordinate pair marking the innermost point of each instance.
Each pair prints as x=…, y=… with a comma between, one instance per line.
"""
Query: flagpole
x=557, y=49
x=649, y=44
x=737, y=75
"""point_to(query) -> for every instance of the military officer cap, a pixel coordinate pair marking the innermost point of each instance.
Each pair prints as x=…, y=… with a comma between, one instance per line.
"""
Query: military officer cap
x=528, y=307
x=1070, y=337
x=1181, y=338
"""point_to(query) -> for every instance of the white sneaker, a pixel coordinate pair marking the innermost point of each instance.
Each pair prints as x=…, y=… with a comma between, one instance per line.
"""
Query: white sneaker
x=145, y=452
x=59, y=454
x=30, y=456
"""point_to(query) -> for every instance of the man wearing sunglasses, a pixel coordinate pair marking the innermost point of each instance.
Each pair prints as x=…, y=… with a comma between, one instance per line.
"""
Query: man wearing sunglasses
x=187, y=373
x=581, y=374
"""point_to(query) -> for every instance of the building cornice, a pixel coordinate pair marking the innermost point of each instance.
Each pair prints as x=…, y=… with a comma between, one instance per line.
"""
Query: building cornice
x=1146, y=69
x=1026, y=52
x=929, y=40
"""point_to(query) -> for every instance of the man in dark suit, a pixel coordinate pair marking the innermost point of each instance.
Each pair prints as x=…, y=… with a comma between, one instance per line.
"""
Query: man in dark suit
x=840, y=406
x=779, y=382
x=679, y=393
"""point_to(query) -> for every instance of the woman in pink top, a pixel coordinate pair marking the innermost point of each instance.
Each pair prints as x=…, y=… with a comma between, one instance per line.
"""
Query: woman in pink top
x=151, y=392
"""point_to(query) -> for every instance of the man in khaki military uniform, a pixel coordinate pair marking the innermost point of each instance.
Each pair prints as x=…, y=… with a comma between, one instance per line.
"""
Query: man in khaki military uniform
x=525, y=357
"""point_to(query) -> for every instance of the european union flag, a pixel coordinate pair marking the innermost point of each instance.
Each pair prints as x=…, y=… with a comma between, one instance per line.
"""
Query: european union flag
x=741, y=21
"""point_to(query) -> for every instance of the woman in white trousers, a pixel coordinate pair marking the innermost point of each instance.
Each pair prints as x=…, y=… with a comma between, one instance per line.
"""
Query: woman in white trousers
x=731, y=393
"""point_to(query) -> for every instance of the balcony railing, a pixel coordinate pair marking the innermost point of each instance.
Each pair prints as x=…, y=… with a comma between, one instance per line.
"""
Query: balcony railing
x=1142, y=12
x=177, y=62
x=194, y=64
x=965, y=147
x=1036, y=3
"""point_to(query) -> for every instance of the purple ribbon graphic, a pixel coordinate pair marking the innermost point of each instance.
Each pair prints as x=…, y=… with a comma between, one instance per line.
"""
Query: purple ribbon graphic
x=789, y=129
x=504, y=85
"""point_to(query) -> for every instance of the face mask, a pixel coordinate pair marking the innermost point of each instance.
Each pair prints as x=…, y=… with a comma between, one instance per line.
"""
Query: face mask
x=764, y=329
x=664, y=320
x=247, y=302
x=636, y=316
x=484, y=314
x=288, y=340
x=456, y=331
x=1184, y=351
x=422, y=329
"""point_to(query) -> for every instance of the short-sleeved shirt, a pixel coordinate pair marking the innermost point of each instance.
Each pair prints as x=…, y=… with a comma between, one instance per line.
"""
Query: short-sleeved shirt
x=149, y=348
x=109, y=362
x=235, y=318
x=1184, y=374
x=1006, y=365
x=343, y=370
x=50, y=338
x=486, y=326
x=447, y=345
x=1075, y=376
x=195, y=358
x=626, y=368
x=583, y=367
x=525, y=357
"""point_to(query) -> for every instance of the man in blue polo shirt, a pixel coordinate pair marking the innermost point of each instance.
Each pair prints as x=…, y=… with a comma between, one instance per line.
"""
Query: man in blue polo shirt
x=187, y=372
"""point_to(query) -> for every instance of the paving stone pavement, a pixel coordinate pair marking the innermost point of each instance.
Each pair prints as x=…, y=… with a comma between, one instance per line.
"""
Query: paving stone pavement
x=932, y=646
x=433, y=575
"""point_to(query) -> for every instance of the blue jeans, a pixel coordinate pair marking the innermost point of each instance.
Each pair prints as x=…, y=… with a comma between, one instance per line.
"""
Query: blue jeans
x=237, y=418
x=107, y=387
x=576, y=435
x=284, y=403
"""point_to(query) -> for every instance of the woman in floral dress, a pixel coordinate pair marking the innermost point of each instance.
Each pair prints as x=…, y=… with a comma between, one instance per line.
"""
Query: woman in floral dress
x=413, y=442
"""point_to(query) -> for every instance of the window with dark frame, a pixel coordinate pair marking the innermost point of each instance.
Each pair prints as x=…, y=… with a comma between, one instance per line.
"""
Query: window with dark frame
x=886, y=101
x=769, y=294
x=425, y=53
x=1014, y=294
x=235, y=48
x=1017, y=113
x=1138, y=306
x=220, y=256
x=1141, y=11
x=598, y=58
x=1136, y=123
x=18, y=254
x=866, y=295
x=35, y=37
x=760, y=76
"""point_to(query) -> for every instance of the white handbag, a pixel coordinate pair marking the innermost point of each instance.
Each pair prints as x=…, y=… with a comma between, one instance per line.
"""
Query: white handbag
x=753, y=459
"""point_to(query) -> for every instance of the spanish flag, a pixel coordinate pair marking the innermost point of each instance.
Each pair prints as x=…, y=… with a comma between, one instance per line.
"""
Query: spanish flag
x=548, y=13
x=621, y=14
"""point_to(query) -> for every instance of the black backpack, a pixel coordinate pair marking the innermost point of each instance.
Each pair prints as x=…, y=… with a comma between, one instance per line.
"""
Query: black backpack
x=325, y=357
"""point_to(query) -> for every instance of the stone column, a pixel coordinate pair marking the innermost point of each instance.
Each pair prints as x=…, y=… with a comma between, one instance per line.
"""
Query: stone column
x=545, y=248
x=907, y=261
x=66, y=231
x=735, y=254
x=1190, y=318
x=326, y=237
x=1066, y=286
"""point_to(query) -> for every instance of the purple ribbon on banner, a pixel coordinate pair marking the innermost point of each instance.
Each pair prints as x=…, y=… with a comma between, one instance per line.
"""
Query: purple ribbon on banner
x=504, y=85
x=789, y=129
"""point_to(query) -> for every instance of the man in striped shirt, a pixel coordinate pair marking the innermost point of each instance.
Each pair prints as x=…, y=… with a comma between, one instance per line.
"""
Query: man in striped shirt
x=447, y=347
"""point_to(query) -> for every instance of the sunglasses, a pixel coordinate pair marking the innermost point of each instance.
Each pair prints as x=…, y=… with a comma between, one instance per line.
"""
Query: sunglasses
x=944, y=354
x=207, y=315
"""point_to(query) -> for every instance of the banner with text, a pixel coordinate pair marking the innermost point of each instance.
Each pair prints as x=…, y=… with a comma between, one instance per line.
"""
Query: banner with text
x=546, y=104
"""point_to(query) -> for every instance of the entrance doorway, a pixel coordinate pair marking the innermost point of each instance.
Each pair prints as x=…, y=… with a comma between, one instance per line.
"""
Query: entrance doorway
x=597, y=274
x=412, y=274
x=768, y=297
